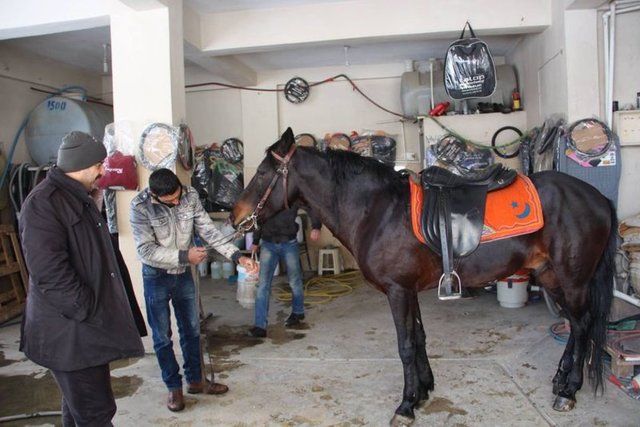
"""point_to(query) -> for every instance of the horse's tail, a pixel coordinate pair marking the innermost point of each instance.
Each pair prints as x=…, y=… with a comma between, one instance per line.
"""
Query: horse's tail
x=600, y=299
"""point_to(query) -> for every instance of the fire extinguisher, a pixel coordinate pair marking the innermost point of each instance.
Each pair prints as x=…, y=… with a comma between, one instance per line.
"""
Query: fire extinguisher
x=439, y=109
x=515, y=100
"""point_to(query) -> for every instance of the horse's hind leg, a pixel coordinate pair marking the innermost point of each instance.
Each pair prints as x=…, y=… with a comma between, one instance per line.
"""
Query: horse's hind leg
x=566, y=361
x=403, y=305
x=575, y=353
x=569, y=377
x=561, y=377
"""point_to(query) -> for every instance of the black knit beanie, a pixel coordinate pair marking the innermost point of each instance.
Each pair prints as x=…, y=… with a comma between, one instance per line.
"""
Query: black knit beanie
x=79, y=151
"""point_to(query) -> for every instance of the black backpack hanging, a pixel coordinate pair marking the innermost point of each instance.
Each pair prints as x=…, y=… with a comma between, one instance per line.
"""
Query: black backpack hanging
x=469, y=71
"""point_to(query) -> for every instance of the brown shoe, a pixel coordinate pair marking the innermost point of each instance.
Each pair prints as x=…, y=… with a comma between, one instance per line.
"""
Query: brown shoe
x=175, y=402
x=207, y=387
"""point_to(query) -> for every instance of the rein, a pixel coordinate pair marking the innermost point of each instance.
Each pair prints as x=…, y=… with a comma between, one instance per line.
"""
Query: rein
x=228, y=238
x=250, y=222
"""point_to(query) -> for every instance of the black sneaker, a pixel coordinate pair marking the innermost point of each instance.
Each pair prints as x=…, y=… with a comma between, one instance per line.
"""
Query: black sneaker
x=293, y=319
x=257, y=332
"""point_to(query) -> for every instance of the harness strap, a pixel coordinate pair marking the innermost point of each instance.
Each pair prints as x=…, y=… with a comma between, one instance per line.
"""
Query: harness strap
x=446, y=289
x=284, y=171
x=250, y=222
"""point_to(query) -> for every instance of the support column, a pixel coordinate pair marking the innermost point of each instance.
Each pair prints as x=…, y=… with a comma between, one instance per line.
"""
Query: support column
x=148, y=87
x=583, y=77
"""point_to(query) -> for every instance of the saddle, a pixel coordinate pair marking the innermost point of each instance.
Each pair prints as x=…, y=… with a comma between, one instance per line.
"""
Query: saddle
x=453, y=215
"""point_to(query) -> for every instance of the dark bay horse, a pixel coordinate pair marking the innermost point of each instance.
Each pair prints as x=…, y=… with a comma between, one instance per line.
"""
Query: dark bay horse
x=365, y=204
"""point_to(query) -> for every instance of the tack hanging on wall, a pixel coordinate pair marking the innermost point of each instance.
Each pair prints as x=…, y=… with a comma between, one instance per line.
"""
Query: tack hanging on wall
x=296, y=90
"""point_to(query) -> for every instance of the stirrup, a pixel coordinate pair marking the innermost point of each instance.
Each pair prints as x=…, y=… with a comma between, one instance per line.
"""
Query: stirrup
x=449, y=294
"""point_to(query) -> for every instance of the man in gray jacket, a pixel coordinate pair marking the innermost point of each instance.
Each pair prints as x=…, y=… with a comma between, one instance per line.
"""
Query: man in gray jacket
x=77, y=318
x=164, y=218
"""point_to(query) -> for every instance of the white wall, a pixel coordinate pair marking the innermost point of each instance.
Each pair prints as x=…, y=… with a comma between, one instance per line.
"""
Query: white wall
x=214, y=114
x=626, y=86
x=540, y=63
x=627, y=54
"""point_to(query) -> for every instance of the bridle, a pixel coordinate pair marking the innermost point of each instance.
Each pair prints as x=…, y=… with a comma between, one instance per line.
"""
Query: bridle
x=250, y=222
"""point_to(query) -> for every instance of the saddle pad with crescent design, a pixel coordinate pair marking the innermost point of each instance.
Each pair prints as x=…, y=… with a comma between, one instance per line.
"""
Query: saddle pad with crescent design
x=509, y=212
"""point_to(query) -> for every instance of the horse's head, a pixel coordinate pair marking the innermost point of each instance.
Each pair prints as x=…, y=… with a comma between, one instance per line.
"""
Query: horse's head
x=269, y=191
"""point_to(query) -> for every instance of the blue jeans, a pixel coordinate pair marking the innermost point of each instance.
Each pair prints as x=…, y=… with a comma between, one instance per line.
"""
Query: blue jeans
x=161, y=288
x=270, y=255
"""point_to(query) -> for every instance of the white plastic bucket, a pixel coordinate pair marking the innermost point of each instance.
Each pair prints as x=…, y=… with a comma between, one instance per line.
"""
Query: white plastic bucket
x=216, y=270
x=512, y=291
x=247, y=286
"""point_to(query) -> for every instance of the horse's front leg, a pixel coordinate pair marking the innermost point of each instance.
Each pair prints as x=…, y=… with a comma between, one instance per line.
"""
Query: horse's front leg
x=424, y=368
x=403, y=305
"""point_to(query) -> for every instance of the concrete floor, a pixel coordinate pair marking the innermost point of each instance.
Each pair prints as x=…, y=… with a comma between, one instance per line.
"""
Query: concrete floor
x=493, y=367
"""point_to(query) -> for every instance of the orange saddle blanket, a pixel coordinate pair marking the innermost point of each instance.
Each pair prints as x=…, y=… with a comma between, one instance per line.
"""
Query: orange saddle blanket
x=511, y=211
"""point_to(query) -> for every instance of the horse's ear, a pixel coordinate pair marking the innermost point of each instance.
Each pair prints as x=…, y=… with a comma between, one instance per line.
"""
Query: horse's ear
x=287, y=139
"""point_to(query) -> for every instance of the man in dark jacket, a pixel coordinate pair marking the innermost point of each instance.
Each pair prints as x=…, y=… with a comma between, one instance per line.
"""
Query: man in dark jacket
x=77, y=317
x=277, y=240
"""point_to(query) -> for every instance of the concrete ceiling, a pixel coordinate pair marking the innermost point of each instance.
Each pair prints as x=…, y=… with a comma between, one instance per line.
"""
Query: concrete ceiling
x=85, y=48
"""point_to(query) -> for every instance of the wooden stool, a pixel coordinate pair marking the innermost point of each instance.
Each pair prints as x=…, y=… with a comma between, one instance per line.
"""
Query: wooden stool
x=333, y=261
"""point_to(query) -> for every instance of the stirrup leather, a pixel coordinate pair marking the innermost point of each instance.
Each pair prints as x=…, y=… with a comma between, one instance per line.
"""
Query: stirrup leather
x=446, y=288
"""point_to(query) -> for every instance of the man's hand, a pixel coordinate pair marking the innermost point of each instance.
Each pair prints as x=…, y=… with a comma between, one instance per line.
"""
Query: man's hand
x=254, y=248
x=197, y=255
x=315, y=234
x=249, y=264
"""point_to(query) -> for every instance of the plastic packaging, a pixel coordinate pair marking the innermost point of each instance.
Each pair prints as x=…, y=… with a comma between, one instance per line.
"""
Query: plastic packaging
x=120, y=165
x=469, y=71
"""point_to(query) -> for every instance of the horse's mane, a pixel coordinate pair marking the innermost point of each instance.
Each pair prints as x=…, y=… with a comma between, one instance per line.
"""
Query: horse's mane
x=346, y=164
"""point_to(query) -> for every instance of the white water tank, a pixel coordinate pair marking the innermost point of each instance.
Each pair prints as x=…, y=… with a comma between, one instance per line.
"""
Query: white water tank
x=55, y=117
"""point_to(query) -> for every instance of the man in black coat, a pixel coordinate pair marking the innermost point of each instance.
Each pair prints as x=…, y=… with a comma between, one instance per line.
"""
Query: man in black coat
x=77, y=317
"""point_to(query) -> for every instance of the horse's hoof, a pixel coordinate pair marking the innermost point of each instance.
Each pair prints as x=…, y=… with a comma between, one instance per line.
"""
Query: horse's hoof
x=400, y=421
x=563, y=404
